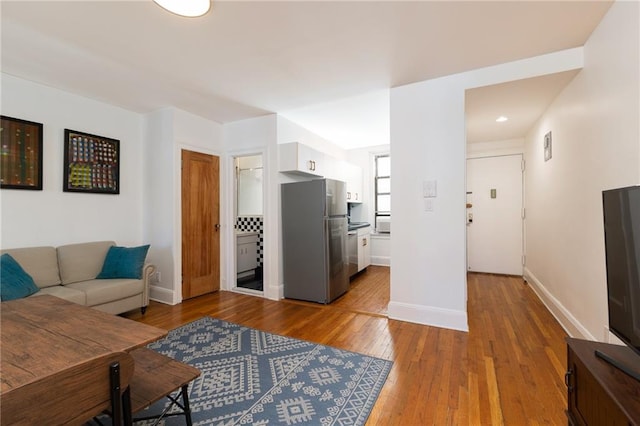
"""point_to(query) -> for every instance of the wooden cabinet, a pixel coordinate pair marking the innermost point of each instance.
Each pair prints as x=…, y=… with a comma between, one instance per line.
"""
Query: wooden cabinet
x=598, y=393
x=364, y=248
x=298, y=158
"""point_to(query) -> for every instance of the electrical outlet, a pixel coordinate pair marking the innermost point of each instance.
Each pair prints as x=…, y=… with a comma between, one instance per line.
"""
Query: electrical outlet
x=156, y=277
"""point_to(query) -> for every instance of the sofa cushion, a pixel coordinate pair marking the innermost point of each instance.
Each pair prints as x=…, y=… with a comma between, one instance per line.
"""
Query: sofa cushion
x=15, y=283
x=63, y=292
x=124, y=262
x=104, y=291
x=39, y=262
x=81, y=262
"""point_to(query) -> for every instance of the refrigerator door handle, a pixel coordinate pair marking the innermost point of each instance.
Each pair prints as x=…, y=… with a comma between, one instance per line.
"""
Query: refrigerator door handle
x=327, y=263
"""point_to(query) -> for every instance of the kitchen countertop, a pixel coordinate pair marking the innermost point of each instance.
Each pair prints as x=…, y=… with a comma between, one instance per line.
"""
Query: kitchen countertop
x=357, y=225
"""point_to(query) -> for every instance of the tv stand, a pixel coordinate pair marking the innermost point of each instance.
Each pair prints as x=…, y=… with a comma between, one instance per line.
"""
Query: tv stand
x=598, y=392
x=618, y=364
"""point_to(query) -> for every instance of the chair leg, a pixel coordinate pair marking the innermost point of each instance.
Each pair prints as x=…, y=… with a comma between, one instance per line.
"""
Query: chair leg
x=187, y=408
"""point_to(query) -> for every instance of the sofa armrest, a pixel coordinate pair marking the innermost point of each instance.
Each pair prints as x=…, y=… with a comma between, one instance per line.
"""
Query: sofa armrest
x=147, y=272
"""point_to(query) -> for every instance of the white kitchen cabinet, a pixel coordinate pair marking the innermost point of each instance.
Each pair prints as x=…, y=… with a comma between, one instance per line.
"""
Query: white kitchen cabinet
x=353, y=177
x=364, y=248
x=247, y=252
x=299, y=158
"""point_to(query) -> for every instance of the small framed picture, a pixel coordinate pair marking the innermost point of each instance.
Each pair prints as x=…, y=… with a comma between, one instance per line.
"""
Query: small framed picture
x=547, y=147
x=91, y=163
x=21, y=154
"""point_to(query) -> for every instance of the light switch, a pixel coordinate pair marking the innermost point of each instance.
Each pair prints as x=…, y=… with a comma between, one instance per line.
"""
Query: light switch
x=429, y=188
x=493, y=193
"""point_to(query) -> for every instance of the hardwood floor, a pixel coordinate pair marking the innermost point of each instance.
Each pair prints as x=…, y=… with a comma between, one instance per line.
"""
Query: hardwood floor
x=368, y=293
x=508, y=369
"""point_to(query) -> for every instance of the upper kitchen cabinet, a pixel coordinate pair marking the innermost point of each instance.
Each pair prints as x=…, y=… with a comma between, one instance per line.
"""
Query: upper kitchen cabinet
x=353, y=176
x=298, y=158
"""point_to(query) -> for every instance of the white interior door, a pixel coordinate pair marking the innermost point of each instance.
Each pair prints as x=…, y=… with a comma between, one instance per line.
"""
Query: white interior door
x=494, y=220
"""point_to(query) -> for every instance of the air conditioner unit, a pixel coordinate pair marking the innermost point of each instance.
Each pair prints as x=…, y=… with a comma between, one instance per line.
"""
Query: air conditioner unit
x=384, y=225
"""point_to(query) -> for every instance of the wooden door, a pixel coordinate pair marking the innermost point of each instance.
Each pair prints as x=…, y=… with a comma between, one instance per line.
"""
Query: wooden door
x=200, y=224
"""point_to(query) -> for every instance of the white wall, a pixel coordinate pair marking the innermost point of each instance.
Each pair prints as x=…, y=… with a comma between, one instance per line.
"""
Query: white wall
x=495, y=148
x=51, y=217
x=289, y=131
x=167, y=133
x=250, y=135
x=428, y=262
x=253, y=136
x=159, y=210
x=596, y=146
x=428, y=279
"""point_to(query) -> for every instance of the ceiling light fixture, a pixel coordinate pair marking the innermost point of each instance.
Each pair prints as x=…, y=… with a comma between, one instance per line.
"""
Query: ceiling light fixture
x=188, y=8
x=501, y=119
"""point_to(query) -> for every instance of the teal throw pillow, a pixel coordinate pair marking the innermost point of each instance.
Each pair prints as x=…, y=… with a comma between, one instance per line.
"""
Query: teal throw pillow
x=124, y=262
x=15, y=283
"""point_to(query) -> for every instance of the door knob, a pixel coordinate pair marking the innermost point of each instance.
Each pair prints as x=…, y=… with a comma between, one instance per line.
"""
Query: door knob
x=217, y=226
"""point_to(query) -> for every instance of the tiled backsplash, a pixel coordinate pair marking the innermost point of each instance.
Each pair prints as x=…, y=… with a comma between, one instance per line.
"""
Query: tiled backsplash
x=252, y=224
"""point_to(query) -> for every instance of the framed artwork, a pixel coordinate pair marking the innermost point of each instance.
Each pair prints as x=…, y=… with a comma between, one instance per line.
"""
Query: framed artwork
x=21, y=154
x=91, y=163
x=547, y=146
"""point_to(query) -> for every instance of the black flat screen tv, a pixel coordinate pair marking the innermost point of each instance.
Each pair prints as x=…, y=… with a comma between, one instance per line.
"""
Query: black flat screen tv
x=621, y=211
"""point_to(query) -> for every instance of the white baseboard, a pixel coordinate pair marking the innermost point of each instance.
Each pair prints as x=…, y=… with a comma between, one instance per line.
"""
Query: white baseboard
x=381, y=260
x=274, y=292
x=428, y=315
x=571, y=325
x=161, y=294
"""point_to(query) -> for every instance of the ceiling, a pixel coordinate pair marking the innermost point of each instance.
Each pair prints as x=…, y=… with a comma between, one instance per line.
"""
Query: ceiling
x=522, y=102
x=327, y=65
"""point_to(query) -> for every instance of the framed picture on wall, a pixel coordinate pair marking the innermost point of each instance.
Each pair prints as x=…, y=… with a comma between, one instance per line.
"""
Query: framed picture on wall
x=91, y=163
x=21, y=155
x=547, y=146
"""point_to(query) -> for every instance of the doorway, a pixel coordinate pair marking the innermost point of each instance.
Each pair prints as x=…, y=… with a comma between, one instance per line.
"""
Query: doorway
x=494, y=215
x=249, y=223
x=200, y=188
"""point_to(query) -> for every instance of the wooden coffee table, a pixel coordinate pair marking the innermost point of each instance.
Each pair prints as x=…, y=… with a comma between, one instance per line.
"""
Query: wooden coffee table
x=43, y=335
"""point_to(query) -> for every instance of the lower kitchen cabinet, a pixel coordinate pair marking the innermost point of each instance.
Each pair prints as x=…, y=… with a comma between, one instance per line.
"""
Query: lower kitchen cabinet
x=364, y=248
x=247, y=252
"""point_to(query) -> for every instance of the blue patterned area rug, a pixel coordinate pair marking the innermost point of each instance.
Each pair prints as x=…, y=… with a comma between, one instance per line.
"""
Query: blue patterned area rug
x=250, y=377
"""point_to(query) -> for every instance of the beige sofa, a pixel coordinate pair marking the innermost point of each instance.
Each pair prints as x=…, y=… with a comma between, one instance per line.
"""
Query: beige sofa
x=69, y=272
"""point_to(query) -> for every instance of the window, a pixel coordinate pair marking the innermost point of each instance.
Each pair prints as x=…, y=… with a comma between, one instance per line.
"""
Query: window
x=383, y=193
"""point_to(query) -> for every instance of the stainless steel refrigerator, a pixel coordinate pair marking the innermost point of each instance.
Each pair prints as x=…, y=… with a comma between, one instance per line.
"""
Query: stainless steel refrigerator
x=314, y=240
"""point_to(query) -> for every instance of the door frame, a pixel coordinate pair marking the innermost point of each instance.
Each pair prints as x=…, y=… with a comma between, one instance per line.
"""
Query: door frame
x=177, y=211
x=228, y=215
